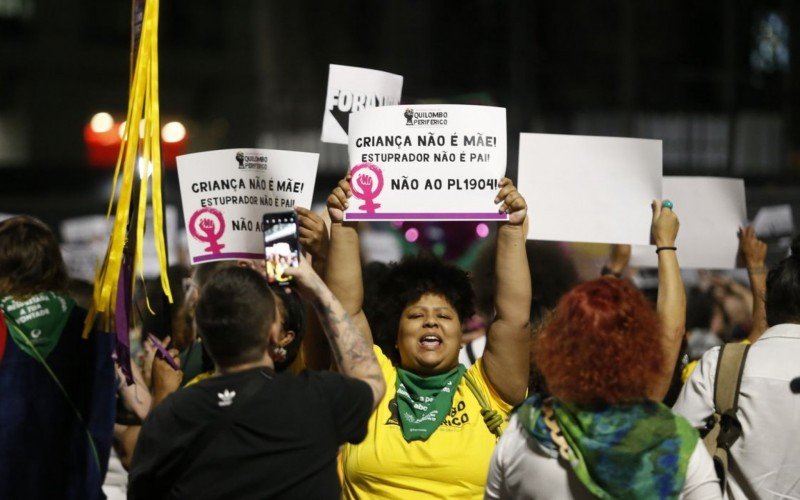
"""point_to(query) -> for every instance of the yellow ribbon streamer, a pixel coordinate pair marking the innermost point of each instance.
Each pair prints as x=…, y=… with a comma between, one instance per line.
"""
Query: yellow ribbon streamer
x=137, y=156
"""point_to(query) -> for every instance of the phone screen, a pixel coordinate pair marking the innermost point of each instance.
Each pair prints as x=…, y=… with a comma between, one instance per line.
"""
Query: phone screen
x=281, y=246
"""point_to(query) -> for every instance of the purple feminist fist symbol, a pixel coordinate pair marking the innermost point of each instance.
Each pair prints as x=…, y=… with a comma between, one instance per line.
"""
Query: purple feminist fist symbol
x=207, y=230
x=369, y=188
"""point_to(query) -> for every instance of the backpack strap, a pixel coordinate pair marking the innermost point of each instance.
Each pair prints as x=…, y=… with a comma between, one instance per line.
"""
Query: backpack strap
x=726, y=428
x=728, y=378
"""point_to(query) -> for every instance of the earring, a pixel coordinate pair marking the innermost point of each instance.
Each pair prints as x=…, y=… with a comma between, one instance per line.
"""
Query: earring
x=280, y=353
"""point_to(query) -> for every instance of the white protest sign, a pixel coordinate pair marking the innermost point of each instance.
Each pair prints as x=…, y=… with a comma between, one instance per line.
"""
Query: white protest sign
x=353, y=89
x=774, y=221
x=85, y=240
x=431, y=162
x=226, y=193
x=710, y=210
x=589, y=189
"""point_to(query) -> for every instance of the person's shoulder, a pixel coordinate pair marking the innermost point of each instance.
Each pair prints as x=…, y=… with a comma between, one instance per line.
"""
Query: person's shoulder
x=706, y=367
x=710, y=358
x=186, y=401
x=478, y=374
x=322, y=378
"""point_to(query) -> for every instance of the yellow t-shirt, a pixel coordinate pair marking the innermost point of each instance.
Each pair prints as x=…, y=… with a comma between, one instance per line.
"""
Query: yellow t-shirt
x=452, y=463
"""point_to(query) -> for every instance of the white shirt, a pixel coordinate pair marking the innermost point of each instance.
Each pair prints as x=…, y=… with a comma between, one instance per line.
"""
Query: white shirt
x=765, y=460
x=522, y=469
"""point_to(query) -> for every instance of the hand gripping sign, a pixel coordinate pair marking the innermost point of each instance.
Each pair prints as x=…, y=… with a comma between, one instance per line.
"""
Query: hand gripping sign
x=431, y=162
x=226, y=193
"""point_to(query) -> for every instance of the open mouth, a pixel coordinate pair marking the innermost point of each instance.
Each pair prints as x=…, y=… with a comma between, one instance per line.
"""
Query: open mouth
x=430, y=341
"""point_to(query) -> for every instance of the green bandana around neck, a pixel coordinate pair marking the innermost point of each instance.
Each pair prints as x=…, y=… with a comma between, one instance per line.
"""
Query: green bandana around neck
x=423, y=402
x=628, y=451
x=36, y=323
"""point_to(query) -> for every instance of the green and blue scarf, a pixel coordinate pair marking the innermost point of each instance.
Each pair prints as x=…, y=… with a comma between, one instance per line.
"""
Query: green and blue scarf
x=626, y=451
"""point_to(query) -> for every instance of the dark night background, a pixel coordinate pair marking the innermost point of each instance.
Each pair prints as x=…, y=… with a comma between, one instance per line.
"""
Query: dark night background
x=254, y=74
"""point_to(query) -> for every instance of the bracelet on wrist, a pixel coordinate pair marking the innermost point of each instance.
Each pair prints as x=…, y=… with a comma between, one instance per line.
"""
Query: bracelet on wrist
x=659, y=249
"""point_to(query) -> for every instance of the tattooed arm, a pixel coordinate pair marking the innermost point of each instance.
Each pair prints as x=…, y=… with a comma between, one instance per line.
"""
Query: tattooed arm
x=351, y=351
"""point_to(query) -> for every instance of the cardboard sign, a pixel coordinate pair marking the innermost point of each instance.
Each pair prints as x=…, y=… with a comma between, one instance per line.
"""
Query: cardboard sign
x=354, y=89
x=226, y=193
x=431, y=162
x=710, y=210
x=589, y=189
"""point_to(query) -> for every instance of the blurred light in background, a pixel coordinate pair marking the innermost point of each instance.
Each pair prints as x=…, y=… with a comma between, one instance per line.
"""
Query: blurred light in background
x=412, y=234
x=103, y=136
x=173, y=132
x=173, y=142
x=141, y=169
x=101, y=123
x=770, y=51
x=482, y=230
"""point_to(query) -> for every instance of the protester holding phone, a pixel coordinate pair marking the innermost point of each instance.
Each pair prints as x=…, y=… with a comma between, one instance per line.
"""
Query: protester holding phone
x=249, y=432
x=456, y=413
x=281, y=245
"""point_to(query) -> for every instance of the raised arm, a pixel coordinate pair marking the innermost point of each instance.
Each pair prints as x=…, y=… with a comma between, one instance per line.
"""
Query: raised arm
x=671, y=305
x=344, y=255
x=506, y=358
x=352, y=352
x=314, y=240
x=754, y=254
x=618, y=258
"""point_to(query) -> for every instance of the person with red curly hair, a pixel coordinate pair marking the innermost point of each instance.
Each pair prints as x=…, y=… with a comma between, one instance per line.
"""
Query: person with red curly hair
x=607, y=359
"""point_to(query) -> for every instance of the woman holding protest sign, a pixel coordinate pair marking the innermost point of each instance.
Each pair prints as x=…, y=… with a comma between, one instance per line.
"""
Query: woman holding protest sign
x=607, y=359
x=434, y=431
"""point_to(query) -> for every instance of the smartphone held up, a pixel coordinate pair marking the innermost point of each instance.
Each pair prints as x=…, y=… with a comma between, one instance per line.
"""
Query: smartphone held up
x=281, y=246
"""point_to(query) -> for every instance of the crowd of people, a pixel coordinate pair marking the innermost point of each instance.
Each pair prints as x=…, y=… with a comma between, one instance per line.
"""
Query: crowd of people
x=413, y=379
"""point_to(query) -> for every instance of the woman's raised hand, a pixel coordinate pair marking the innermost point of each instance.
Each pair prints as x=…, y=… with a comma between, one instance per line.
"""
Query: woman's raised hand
x=313, y=234
x=753, y=251
x=338, y=200
x=511, y=202
x=665, y=224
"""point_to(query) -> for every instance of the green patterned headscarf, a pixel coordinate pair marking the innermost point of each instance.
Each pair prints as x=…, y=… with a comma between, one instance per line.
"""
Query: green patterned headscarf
x=36, y=322
x=626, y=451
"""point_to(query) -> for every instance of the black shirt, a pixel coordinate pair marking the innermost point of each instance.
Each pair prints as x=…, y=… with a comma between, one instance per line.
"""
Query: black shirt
x=281, y=443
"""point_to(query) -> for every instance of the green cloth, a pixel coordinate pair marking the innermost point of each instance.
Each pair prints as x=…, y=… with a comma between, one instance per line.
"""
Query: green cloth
x=37, y=322
x=423, y=402
x=626, y=451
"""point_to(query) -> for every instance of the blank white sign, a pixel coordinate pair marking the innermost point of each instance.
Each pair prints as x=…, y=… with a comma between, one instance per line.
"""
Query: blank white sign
x=590, y=189
x=710, y=210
